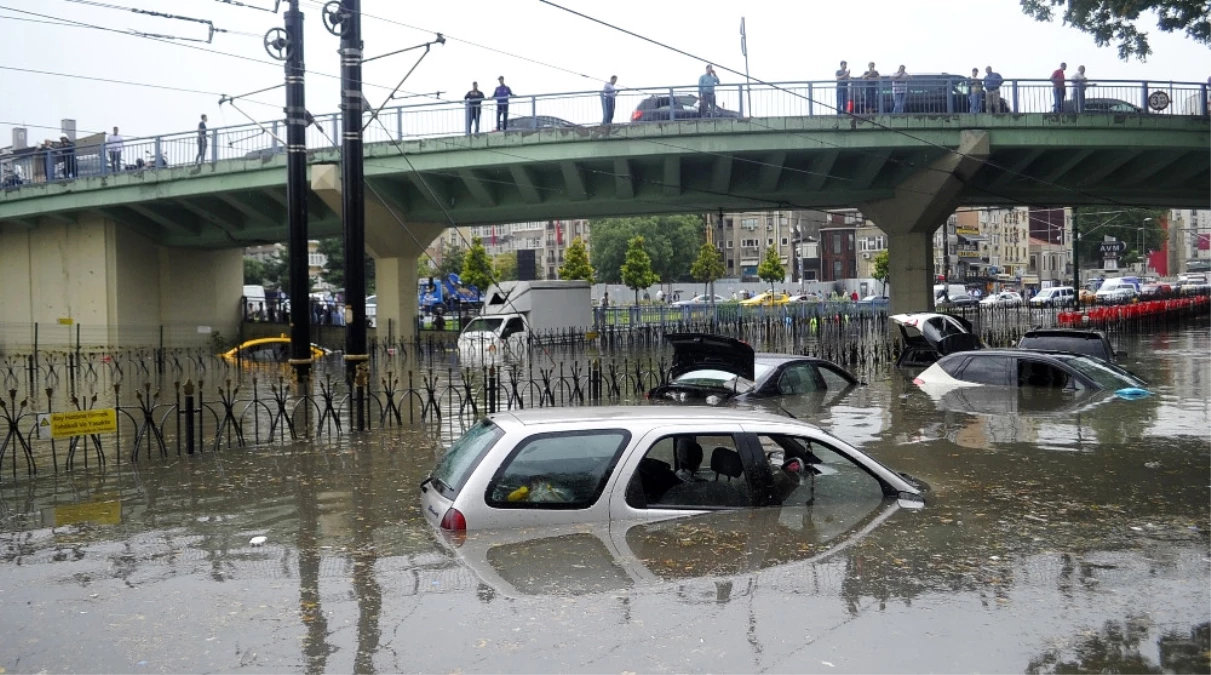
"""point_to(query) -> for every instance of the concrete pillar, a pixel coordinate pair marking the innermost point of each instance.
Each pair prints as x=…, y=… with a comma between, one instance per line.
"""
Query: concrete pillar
x=394, y=243
x=921, y=204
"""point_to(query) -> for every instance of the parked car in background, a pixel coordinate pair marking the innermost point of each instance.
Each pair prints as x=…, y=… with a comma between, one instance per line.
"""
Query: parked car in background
x=548, y=468
x=928, y=336
x=957, y=301
x=715, y=369
x=1028, y=368
x=539, y=122
x=1156, y=291
x=875, y=300
x=930, y=93
x=1118, y=290
x=1054, y=296
x=1077, y=341
x=1105, y=106
x=682, y=107
x=1002, y=299
x=767, y=298
x=268, y=350
x=806, y=297
x=700, y=300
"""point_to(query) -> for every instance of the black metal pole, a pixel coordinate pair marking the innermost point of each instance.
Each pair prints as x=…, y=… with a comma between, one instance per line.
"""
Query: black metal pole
x=1076, y=259
x=353, y=206
x=296, y=198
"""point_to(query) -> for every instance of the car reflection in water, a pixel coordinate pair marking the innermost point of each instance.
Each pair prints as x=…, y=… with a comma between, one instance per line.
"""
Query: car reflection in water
x=588, y=559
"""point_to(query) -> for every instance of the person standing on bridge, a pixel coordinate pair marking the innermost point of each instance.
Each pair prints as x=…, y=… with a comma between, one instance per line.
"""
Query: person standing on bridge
x=502, y=95
x=201, y=141
x=113, y=145
x=843, y=103
x=992, y=89
x=706, y=92
x=1079, y=82
x=473, y=100
x=870, y=95
x=975, y=92
x=608, y=93
x=1058, y=91
x=899, y=89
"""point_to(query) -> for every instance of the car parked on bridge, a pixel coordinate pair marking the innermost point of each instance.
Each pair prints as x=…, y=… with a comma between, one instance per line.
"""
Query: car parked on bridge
x=714, y=369
x=548, y=468
x=539, y=122
x=931, y=93
x=1105, y=106
x=1002, y=299
x=1030, y=368
x=928, y=336
x=682, y=107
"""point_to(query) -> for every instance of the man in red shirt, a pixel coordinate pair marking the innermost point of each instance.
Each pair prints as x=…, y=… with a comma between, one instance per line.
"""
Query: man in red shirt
x=1059, y=92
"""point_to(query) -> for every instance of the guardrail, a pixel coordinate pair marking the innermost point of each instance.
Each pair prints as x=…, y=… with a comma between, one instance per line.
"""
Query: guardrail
x=932, y=95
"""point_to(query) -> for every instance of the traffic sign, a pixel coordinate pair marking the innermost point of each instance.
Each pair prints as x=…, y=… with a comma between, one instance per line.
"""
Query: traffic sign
x=1112, y=246
x=1158, y=100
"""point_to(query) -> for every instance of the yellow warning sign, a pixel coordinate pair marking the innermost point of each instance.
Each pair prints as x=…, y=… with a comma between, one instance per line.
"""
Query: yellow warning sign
x=65, y=321
x=79, y=422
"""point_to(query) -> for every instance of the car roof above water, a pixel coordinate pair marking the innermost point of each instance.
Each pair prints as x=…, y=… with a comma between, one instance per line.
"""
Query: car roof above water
x=627, y=415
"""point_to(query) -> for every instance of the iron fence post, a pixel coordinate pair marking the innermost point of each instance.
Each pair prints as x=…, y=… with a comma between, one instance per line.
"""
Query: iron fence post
x=104, y=157
x=1014, y=88
x=950, y=100
x=189, y=429
x=811, y=100
x=672, y=105
x=491, y=389
x=1144, y=96
x=274, y=141
x=214, y=145
x=159, y=153
x=399, y=124
x=740, y=91
x=1204, y=109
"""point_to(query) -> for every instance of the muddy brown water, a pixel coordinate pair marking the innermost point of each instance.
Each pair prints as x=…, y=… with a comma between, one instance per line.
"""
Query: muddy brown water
x=1060, y=536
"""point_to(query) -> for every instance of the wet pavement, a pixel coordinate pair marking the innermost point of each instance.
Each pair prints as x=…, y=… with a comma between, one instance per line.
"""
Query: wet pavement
x=1061, y=536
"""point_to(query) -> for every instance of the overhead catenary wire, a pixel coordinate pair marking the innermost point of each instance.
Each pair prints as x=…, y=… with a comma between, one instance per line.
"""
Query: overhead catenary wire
x=164, y=15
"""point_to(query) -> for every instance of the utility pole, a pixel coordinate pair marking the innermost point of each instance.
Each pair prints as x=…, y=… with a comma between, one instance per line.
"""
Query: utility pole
x=1076, y=258
x=291, y=43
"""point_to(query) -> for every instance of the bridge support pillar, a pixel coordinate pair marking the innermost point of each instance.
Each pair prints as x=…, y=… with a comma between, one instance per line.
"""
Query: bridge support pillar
x=921, y=204
x=395, y=245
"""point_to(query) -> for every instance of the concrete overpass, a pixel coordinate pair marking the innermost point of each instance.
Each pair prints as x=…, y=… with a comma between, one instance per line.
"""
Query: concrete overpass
x=160, y=246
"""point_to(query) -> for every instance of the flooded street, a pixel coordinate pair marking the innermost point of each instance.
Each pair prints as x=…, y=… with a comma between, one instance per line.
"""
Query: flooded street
x=1061, y=535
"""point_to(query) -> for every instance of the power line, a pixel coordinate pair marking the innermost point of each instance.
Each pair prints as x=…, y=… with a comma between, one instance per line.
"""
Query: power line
x=162, y=15
x=107, y=80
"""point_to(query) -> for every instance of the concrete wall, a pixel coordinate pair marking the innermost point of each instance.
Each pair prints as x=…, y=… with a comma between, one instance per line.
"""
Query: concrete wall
x=98, y=283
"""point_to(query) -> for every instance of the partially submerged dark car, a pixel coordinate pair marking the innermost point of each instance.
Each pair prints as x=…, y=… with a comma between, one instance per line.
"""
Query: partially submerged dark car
x=716, y=369
x=928, y=337
x=1075, y=341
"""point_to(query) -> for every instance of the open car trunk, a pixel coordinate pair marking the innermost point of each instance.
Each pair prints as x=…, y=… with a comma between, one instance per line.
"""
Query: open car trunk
x=929, y=336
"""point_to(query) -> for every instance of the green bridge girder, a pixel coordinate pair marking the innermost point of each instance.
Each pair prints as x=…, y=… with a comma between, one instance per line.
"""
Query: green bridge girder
x=629, y=169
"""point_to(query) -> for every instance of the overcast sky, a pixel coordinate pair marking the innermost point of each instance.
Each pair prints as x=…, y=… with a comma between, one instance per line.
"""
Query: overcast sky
x=786, y=41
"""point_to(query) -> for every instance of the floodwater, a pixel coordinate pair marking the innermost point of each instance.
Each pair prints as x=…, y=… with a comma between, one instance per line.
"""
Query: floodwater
x=1060, y=536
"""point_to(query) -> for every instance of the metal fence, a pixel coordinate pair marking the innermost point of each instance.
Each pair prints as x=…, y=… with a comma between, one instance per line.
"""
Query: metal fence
x=933, y=95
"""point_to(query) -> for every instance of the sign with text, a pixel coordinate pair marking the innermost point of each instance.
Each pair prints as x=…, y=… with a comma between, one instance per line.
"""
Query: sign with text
x=77, y=423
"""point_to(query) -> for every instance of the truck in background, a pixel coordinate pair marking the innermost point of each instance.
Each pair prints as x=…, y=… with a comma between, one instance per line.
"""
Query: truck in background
x=517, y=313
x=450, y=294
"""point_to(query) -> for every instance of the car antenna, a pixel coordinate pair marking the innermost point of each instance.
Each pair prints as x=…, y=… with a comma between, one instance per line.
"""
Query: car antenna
x=788, y=413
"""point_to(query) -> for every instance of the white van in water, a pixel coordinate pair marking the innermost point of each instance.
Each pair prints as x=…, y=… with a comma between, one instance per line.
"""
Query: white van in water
x=514, y=311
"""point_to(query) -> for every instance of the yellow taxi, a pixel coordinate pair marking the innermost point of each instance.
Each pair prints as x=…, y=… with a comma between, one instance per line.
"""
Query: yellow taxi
x=767, y=299
x=268, y=350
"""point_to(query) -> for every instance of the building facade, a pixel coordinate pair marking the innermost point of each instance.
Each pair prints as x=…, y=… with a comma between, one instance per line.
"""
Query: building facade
x=743, y=237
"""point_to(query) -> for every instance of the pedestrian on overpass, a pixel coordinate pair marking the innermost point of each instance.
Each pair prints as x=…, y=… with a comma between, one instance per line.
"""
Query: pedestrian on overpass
x=201, y=141
x=1079, y=82
x=992, y=89
x=1058, y=91
x=473, y=100
x=608, y=93
x=706, y=92
x=899, y=89
x=843, y=104
x=113, y=145
x=871, y=89
x=502, y=95
x=975, y=92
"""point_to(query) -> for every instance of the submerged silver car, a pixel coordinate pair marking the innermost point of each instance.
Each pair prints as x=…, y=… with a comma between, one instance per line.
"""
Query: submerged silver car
x=545, y=468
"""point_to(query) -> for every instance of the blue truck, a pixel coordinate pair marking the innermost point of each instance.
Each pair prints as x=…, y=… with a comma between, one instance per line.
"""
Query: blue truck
x=449, y=294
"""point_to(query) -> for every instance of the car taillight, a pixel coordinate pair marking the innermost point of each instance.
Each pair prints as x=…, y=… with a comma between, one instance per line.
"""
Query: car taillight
x=637, y=115
x=454, y=521
x=915, y=380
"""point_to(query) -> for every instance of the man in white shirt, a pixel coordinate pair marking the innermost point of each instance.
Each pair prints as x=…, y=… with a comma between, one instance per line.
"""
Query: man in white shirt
x=607, y=100
x=113, y=145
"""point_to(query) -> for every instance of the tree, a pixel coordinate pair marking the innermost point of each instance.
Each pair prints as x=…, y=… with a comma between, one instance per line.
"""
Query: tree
x=1114, y=21
x=576, y=263
x=333, y=248
x=505, y=266
x=1136, y=227
x=771, y=268
x=254, y=272
x=671, y=243
x=424, y=266
x=879, y=268
x=708, y=267
x=477, y=269
x=636, y=269
x=277, y=274
x=451, y=262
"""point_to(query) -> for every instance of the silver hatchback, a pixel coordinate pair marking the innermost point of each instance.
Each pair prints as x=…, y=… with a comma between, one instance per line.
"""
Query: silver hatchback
x=543, y=468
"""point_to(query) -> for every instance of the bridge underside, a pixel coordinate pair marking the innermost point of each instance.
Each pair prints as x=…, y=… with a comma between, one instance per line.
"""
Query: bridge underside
x=907, y=173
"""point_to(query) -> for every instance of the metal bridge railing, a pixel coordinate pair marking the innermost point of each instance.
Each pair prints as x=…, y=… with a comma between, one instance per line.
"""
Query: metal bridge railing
x=922, y=95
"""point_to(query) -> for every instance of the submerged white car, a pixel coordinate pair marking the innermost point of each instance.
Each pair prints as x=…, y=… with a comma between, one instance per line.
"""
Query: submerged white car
x=556, y=467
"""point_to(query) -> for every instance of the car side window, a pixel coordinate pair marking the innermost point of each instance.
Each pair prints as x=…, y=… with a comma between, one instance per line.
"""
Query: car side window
x=808, y=472
x=797, y=378
x=1034, y=373
x=514, y=326
x=691, y=471
x=558, y=470
x=833, y=380
x=993, y=370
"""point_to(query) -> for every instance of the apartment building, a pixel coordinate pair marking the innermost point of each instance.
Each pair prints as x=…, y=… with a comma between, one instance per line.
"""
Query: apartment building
x=742, y=238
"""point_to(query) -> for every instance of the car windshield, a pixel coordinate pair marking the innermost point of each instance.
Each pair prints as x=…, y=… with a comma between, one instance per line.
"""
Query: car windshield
x=1063, y=343
x=482, y=325
x=452, y=471
x=1105, y=375
x=721, y=379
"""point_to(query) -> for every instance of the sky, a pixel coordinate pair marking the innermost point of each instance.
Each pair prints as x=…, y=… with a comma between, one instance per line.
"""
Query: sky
x=537, y=47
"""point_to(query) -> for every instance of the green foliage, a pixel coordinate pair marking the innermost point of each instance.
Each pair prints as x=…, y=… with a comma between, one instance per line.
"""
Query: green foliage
x=505, y=266
x=671, y=243
x=576, y=262
x=333, y=248
x=254, y=272
x=1114, y=21
x=1129, y=225
x=452, y=262
x=425, y=267
x=636, y=268
x=879, y=268
x=771, y=268
x=477, y=269
x=277, y=274
x=709, y=265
